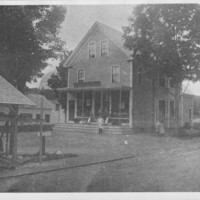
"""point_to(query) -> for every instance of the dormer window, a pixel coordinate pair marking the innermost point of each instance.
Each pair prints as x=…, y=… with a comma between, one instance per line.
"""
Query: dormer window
x=81, y=75
x=92, y=49
x=104, y=48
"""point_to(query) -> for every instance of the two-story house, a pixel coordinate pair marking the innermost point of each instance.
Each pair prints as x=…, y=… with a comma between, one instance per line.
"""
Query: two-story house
x=102, y=76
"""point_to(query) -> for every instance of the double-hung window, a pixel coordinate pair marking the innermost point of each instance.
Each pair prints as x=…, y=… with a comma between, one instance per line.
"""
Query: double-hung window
x=104, y=48
x=92, y=49
x=172, y=108
x=115, y=74
x=81, y=75
x=162, y=108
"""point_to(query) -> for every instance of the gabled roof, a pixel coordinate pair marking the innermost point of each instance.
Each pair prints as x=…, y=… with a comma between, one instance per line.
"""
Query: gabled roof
x=11, y=96
x=114, y=35
x=36, y=98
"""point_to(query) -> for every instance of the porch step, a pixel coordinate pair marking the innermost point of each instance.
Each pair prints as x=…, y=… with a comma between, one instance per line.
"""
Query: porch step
x=92, y=128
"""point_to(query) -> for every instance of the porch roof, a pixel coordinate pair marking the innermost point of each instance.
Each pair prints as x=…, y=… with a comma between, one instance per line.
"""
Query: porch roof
x=95, y=88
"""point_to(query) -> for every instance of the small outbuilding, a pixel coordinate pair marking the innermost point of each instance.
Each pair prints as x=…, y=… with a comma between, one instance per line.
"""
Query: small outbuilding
x=11, y=98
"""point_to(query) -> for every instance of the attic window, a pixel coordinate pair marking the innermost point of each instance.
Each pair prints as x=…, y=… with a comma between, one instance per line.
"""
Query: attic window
x=104, y=48
x=92, y=49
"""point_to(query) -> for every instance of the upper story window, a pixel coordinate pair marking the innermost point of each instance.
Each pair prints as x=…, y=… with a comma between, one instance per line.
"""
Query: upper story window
x=81, y=75
x=171, y=83
x=172, y=108
x=115, y=74
x=92, y=49
x=104, y=48
x=139, y=75
x=162, y=81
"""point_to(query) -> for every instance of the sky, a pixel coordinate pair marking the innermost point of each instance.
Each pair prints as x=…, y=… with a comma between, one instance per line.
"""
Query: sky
x=80, y=18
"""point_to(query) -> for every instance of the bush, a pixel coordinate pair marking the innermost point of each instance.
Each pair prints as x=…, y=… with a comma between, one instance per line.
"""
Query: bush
x=196, y=125
x=35, y=127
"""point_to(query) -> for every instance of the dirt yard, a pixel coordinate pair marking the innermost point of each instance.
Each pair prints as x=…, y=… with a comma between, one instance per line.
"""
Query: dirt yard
x=159, y=164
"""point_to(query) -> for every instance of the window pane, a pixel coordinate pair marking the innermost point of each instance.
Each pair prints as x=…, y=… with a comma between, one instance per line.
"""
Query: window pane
x=104, y=48
x=92, y=50
x=190, y=113
x=47, y=118
x=162, y=108
x=80, y=74
x=172, y=110
x=115, y=74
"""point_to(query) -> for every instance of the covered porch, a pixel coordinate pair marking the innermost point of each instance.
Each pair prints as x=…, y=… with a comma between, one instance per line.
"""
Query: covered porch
x=114, y=102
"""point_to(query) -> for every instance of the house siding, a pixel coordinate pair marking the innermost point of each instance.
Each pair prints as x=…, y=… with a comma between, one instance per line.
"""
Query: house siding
x=99, y=68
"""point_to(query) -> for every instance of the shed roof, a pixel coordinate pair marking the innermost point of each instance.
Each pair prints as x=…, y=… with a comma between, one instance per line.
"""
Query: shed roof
x=11, y=96
x=36, y=98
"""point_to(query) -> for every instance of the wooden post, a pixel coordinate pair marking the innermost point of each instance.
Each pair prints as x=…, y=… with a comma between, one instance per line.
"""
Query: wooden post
x=93, y=103
x=168, y=112
x=66, y=109
x=14, y=134
x=110, y=103
x=120, y=101
x=76, y=105
x=101, y=102
x=41, y=124
x=131, y=108
x=83, y=104
x=59, y=97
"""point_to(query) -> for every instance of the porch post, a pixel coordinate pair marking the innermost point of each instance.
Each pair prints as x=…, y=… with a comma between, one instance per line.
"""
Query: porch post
x=168, y=112
x=110, y=103
x=67, y=102
x=120, y=100
x=66, y=107
x=83, y=103
x=75, y=114
x=93, y=103
x=101, y=101
x=59, y=107
x=131, y=108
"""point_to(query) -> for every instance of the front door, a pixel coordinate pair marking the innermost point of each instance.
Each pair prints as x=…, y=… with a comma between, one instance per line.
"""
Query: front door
x=71, y=109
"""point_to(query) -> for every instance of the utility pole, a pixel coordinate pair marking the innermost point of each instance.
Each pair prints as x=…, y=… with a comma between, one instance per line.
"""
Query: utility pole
x=41, y=124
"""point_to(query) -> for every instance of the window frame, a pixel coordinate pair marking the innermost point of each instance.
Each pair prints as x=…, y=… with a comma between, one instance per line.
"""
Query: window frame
x=190, y=113
x=101, y=55
x=78, y=75
x=171, y=116
x=165, y=111
x=113, y=74
x=95, y=50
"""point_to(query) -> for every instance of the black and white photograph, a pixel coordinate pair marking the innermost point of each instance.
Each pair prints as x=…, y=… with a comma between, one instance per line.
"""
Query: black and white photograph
x=99, y=98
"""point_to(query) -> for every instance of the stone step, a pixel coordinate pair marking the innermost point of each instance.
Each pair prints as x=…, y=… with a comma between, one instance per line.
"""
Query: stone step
x=91, y=128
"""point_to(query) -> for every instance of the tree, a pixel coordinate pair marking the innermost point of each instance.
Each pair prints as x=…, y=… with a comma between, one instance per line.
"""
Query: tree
x=59, y=80
x=165, y=38
x=28, y=39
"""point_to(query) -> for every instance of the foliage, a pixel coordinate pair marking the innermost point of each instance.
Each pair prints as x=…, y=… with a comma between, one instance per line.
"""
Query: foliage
x=28, y=39
x=60, y=80
x=166, y=38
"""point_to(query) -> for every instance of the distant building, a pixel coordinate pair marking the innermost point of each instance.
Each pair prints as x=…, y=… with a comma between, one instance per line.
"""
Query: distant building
x=51, y=109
